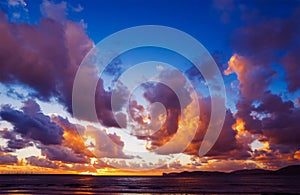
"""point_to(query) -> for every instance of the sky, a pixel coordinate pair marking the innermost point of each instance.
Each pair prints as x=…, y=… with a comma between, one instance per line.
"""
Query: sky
x=143, y=126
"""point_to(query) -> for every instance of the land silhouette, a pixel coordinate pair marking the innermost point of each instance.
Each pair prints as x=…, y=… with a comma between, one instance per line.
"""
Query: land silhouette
x=293, y=170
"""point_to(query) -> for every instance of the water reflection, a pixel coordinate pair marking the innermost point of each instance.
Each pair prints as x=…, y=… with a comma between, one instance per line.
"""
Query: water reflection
x=66, y=184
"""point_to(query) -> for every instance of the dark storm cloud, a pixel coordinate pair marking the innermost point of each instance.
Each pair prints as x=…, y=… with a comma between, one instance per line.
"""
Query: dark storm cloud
x=52, y=50
x=262, y=112
x=269, y=34
x=269, y=100
x=43, y=56
x=34, y=126
x=18, y=144
x=281, y=123
x=270, y=39
x=262, y=41
x=46, y=56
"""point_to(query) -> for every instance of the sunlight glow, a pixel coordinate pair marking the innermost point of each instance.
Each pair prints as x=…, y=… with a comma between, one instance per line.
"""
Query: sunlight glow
x=255, y=145
x=147, y=120
x=90, y=142
x=27, y=152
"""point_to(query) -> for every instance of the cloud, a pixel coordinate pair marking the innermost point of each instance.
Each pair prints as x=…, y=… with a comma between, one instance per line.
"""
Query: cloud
x=114, y=68
x=136, y=111
x=274, y=156
x=36, y=127
x=178, y=138
x=165, y=95
x=281, y=122
x=18, y=144
x=54, y=11
x=11, y=92
x=277, y=126
x=79, y=8
x=79, y=168
x=253, y=78
x=227, y=145
x=8, y=159
x=106, y=144
x=257, y=46
x=58, y=139
x=51, y=56
x=53, y=50
x=262, y=39
x=278, y=123
x=73, y=136
x=63, y=154
x=268, y=40
x=103, y=103
x=30, y=107
x=40, y=162
x=16, y=2
x=291, y=62
x=297, y=101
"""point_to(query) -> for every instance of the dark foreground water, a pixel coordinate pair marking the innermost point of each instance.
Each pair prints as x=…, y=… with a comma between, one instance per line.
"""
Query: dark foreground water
x=73, y=184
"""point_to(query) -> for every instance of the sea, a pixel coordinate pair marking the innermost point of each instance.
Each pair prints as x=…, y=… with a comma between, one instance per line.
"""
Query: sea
x=83, y=184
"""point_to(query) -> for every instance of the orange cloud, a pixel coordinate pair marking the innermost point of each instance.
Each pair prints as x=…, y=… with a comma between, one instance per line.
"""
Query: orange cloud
x=253, y=79
x=297, y=155
x=72, y=139
x=236, y=64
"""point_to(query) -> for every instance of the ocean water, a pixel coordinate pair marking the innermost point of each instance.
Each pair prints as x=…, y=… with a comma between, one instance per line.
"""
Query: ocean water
x=79, y=184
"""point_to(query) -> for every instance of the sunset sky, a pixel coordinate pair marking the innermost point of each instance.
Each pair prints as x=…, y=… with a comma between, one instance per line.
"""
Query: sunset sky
x=255, y=44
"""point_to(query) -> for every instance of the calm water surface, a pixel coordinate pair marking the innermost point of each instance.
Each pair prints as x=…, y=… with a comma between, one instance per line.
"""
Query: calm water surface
x=70, y=184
